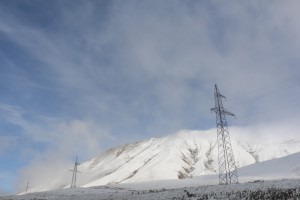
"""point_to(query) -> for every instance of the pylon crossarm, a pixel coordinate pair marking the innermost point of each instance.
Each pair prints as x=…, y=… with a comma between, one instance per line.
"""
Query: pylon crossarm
x=221, y=95
x=227, y=112
x=213, y=110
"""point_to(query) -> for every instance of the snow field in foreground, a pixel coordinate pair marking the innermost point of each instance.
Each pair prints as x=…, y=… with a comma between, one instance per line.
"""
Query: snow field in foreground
x=277, y=189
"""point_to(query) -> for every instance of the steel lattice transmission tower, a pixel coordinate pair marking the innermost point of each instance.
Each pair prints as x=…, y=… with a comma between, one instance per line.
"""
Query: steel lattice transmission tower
x=75, y=171
x=27, y=187
x=227, y=168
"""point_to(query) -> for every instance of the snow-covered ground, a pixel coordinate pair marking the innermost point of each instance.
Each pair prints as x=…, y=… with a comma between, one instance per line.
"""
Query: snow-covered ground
x=256, y=183
x=280, y=189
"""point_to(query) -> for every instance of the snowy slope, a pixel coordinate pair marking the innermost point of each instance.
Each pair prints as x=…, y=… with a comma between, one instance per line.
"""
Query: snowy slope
x=183, y=155
x=200, y=186
x=186, y=154
x=285, y=167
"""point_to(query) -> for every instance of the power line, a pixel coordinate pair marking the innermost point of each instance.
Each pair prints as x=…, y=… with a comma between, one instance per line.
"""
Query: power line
x=269, y=110
x=264, y=95
x=271, y=85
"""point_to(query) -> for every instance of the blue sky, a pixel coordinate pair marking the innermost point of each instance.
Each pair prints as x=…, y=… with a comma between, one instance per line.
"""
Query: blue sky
x=78, y=77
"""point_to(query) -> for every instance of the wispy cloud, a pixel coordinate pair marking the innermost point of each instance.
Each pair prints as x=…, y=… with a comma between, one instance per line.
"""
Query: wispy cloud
x=57, y=142
x=191, y=49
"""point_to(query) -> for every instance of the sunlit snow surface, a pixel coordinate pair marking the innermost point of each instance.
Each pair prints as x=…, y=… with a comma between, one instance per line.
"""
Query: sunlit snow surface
x=256, y=183
x=183, y=155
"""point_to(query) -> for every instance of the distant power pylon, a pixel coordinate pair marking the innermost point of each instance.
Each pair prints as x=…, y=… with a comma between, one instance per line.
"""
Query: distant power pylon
x=227, y=167
x=75, y=171
x=27, y=187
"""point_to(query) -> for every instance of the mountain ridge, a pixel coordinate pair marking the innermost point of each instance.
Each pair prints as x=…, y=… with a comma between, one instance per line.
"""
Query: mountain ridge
x=193, y=152
x=183, y=155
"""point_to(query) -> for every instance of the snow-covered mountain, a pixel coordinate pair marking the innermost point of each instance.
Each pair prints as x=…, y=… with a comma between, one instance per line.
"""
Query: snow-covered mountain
x=200, y=186
x=185, y=154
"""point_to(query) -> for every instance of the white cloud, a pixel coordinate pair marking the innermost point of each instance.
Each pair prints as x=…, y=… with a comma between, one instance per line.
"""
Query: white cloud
x=57, y=142
x=162, y=48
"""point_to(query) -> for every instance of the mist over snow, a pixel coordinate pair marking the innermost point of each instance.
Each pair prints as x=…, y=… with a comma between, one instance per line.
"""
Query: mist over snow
x=80, y=77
